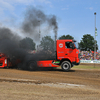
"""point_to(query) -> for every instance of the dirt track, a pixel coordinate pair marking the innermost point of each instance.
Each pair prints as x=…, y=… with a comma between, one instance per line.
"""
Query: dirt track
x=49, y=85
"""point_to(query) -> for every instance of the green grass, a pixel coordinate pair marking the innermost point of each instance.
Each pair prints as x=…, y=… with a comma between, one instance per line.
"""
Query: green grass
x=87, y=66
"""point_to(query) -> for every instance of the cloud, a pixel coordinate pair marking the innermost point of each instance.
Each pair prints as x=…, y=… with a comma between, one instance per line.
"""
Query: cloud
x=91, y=8
x=9, y=8
x=4, y=5
x=64, y=8
x=1, y=11
x=46, y=2
x=11, y=4
x=28, y=2
x=18, y=1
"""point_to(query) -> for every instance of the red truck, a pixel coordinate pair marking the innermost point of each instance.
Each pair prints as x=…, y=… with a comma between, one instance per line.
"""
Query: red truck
x=4, y=61
x=66, y=56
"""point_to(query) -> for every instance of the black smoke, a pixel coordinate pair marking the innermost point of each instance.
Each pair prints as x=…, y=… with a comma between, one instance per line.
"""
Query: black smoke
x=34, y=21
x=9, y=44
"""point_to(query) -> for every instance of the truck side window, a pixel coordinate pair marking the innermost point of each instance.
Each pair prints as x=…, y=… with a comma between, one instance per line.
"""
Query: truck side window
x=68, y=44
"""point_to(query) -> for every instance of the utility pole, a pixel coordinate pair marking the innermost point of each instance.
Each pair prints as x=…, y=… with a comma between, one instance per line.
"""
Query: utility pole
x=95, y=38
x=55, y=41
x=39, y=30
x=39, y=36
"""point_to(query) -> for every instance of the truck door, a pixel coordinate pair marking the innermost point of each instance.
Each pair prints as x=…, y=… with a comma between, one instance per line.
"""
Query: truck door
x=69, y=52
x=60, y=49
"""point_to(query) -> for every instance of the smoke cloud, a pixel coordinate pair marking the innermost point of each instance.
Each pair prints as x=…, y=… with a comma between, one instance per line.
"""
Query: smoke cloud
x=9, y=44
x=36, y=19
x=33, y=20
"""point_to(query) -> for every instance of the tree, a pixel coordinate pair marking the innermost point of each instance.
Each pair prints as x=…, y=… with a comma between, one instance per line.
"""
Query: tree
x=47, y=43
x=87, y=43
x=66, y=37
x=27, y=43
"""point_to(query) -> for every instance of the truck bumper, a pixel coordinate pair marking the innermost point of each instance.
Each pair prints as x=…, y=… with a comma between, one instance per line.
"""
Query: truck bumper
x=76, y=63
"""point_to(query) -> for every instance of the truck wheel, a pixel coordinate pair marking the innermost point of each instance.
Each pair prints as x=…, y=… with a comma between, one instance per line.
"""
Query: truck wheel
x=66, y=65
x=32, y=66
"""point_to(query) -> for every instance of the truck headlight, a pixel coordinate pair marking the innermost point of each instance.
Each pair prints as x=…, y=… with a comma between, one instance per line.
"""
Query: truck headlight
x=5, y=61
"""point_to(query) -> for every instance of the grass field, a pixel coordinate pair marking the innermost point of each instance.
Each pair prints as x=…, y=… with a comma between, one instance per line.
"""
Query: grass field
x=88, y=66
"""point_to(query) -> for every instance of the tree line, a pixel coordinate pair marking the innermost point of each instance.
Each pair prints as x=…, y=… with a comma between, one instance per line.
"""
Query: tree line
x=47, y=43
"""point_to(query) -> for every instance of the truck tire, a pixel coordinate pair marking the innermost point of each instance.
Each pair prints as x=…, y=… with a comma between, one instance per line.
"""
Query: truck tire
x=66, y=65
x=32, y=66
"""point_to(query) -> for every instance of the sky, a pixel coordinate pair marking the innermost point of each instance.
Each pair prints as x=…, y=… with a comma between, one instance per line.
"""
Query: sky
x=74, y=17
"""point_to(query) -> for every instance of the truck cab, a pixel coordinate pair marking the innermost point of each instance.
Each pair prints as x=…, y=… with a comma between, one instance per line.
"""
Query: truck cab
x=3, y=60
x=67, y=53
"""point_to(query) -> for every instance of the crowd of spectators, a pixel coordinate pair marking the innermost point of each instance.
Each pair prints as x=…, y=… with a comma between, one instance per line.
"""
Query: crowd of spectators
x=89, y=55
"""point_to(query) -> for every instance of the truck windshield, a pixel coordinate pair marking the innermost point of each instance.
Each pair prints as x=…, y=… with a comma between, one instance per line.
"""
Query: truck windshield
x=76, y=44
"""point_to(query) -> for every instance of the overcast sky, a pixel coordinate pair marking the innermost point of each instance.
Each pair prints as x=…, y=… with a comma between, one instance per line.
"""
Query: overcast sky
x=74, y=17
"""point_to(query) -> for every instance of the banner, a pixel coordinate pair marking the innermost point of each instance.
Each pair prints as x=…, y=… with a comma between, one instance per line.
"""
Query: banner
x=89, y=61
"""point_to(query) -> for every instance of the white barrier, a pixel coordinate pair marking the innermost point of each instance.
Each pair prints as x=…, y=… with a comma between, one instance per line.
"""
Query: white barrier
x=89, y=61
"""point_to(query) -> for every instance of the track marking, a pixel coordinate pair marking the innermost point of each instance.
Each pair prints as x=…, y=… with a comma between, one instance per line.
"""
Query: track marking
x=40, y=83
